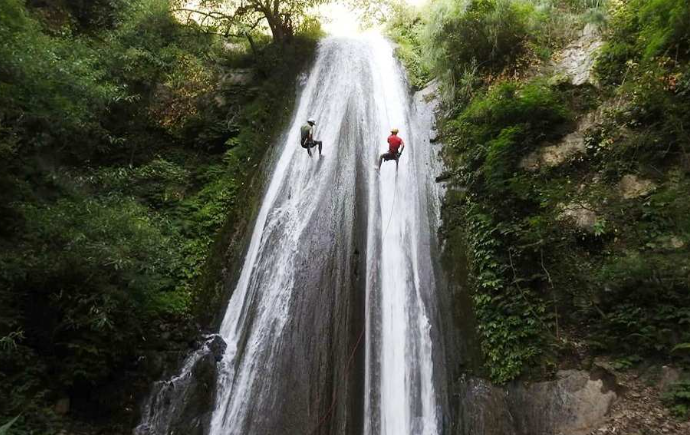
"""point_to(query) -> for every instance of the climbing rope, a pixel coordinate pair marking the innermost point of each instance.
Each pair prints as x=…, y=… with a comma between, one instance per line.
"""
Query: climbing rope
x=359, y=339
x=335, y=397
x=395, y=194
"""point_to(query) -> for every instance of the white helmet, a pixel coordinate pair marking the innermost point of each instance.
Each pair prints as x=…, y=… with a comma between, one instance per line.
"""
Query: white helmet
x=311, y=121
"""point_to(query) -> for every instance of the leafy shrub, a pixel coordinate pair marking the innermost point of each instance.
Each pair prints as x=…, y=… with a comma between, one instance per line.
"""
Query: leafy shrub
x=405, y=28
x=53, y=89
x=678, y=399
x=496, y=130
x=487, y=34
x=642, y=31
x=509, y=326
x=82, y=284
x=488, y=139
x=665, y=26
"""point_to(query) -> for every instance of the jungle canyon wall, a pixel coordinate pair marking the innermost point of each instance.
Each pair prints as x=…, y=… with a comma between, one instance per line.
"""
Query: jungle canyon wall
x=546, y=204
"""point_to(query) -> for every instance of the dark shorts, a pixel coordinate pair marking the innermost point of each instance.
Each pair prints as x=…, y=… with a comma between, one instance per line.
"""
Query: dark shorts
x=310, y=143
x=390, y=156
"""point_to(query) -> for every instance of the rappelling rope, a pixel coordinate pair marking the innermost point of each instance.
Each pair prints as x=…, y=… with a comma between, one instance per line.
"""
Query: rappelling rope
x=335, y=397
x=395, y=194
x=361, y=335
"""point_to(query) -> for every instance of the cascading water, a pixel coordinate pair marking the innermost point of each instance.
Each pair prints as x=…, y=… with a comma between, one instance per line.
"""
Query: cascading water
x=329, y=329
x=400, y=355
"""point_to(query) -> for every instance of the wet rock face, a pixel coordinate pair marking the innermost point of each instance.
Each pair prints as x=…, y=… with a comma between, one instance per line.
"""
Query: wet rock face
x=575, y=403
x=217, y=346
x=183, y=404
x=483, y=409
x=238, y=76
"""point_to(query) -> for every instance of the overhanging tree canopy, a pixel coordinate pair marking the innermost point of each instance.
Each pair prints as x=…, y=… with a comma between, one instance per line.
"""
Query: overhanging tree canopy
x=241, y=17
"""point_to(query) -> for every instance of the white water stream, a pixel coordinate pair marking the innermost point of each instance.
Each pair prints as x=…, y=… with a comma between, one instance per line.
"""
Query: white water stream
x=357, y=93
x=407, y=398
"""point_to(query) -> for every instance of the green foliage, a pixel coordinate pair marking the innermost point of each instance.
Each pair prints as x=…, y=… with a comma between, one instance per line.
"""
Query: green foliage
x=486, y=35
x=490, y=33
x=487, y=141
x=645, y=298
x=621, y=279
x=497, y=128
x=626, y=362
x=126, y=168
x=678, y=399
x=665, y=25
x=52, y=91
x=467, y=43
x=642, y=31
x=94, y=268
x=405, y=28
x=509, y=327
x=5, y=428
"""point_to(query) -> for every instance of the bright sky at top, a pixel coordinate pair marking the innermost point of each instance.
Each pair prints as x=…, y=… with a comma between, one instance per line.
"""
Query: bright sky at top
x=341, y=21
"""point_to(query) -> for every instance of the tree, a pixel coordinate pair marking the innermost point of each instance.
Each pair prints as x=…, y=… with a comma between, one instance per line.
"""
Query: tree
x=240, y=18
x=375, y=11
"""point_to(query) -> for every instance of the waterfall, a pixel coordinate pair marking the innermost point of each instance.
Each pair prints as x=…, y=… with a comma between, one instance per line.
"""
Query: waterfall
x=330, y=328
x=400, y=354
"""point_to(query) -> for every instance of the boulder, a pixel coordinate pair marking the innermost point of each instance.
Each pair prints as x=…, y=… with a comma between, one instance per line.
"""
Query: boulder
x=238, y=77
x=631, y=186
x=579, y=214
x=554, y=155
x=483, y=409
x=575, y=403
x=184, y=403
x=217, y=346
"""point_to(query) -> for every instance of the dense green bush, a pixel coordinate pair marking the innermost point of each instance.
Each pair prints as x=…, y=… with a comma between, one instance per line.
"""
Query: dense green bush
x=487, y=141
x=489, y=32
x=496, y=129
x=94, y=267
x=405, y=28
x=79, y=288
x=643, y=30
x=52, y=89
x=510, y=316
x=486, y=35
x=467, y=43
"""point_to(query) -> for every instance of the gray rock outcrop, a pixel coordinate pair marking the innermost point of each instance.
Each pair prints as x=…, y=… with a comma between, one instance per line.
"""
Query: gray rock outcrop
x=571, y=146
x=581, y=215
x=576, y=61
x=575, y=403
x=632, y=186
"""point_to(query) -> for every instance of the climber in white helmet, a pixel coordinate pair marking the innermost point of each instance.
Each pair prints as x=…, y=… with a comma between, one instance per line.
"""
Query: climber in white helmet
x=308, y=141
